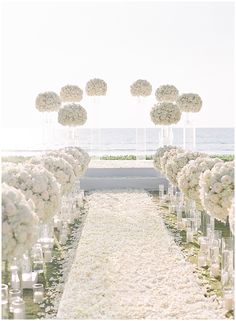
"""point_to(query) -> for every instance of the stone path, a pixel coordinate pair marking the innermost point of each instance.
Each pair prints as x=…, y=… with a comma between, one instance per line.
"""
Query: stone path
x=128, y=267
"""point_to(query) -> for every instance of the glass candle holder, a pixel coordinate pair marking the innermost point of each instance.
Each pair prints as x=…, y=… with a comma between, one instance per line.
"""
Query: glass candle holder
x=14, y=295
x=47, y=255
x=4, y=301
x=18, y=306
x=38, y=293
x=37, y=257
x=229, y=300
x=15, y=280
x=202, y=259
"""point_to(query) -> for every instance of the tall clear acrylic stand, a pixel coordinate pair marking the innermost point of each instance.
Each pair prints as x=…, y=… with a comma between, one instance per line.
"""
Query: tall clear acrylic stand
x=189, y=133
x=140, y=136
x=48, y=128
x=95, y=131
x=166, y=136
x=73, y=136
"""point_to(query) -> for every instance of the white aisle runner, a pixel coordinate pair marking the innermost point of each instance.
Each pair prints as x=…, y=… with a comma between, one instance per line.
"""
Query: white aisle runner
x=128, y=267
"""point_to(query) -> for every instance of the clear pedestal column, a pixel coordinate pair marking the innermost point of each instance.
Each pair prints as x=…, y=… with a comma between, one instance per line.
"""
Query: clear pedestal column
x=166, y=136
x=189, y=133
x=96, y=132
x=140, y=135
x=48, y=126
x=73, y=136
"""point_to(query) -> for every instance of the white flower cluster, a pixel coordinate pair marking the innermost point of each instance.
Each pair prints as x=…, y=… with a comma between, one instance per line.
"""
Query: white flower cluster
x=96, y=87
x=188, y=178
x=71, y=93
x=72, y=115
x=177, y=162
x=141, y=87
x=217, y=189
x=159, y=154
x=19, y=223
x=165, y=114
x=231, y=217
x=37, y=184
x=60, y=168
x=167, y=156
x=77, y=168
x=48, y=102
x=79, y=155
x=167, y=93
x=190, y=103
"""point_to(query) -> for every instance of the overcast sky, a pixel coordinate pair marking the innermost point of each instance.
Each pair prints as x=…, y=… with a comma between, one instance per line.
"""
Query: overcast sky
x=50, y=44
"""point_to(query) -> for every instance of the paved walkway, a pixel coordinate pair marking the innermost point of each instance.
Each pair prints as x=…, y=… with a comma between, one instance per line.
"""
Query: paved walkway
x=128, y=267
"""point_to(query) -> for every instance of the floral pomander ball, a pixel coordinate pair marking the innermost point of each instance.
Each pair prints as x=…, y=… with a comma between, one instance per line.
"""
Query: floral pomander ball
x=217, y=189
x=167, y=156
x=60, y=168
x=77, y=168
x=48, y=102
x=71, y=93
x=141, y=87
x=37, y=184
x=19, y=223
x=177, y=162
x=189, y=103
x=72, y=115
x=159, y=154
x=167, y=93
x=188, y=178
x=165, y=114
x=81, y=157
x=96, y=87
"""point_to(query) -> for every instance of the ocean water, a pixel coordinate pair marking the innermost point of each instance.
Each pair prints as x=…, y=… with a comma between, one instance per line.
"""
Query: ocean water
x=126, y=141
x=131, y=141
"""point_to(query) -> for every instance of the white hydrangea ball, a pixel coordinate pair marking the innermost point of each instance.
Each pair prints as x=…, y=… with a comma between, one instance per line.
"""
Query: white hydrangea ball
x=159, y=154
x=60, y=168
x=96, y=87
x=188, y=178
x=77, y=168
x=167, y=93
x=37, y=184
x=48, y=102
x=190, y=103
x=19, y=223
x=71, y=93
x=168, y=155
x=72, y=115
x=177, y=162
x=165, y=114
x=141, y=87
x=79, y=155
x=217, y=189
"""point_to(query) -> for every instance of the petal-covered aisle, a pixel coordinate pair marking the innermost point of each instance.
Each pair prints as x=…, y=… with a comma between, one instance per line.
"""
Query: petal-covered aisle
x=128, y=267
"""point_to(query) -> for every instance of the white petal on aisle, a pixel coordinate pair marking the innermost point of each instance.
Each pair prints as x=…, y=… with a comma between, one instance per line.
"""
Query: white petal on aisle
x=128, y=267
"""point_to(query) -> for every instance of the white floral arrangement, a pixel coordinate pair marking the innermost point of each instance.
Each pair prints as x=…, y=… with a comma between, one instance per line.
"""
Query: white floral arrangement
x=159, y=154
x=60, y=168
x=177, y=162
x=72, y=115
x=168, y=155
x=167, y=93
x=189, y=103
x=48, y=102
x=231, y=217
x=165, y=114
x=79, y=155
x=188, y=178
x=37, y=184
x=71, y=93
x=77, y=168
x=217, y=189
x=141, y=87
x=96, y=87
x=19, y=223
